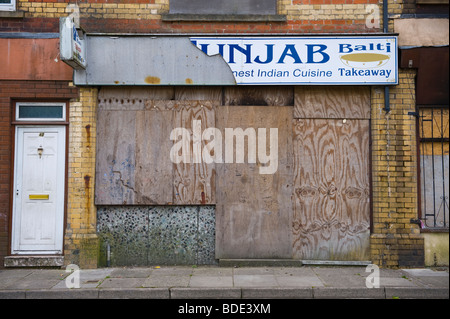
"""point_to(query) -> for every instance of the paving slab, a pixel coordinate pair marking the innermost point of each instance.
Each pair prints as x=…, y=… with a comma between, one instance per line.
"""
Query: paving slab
x=254, y=271
x=28, y=283
x=342, y=277
x=255, y=281
x=62, y=294
x=304, y=281
x=166, y=281
x=277, y=293
x=348, y=293
x=12, y=294
x=131, y=272
x=396, y=282
x=173, y=271
x=121, y=283
x=425, y=272
x=209, y=281
x=209, y=293
x=212, y=271
x=137, y=293
x=416, y=293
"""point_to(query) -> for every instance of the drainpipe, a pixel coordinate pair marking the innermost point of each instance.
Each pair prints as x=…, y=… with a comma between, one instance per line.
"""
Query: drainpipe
x=387, y=107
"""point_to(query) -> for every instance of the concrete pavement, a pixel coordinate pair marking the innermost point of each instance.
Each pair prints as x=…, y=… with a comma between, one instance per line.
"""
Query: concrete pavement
x=211, y=282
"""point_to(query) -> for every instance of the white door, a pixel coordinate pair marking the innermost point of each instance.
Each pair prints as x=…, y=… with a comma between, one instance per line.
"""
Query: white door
x=39, y=174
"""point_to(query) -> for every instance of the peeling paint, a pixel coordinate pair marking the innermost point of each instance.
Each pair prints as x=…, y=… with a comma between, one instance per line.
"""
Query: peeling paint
x=189, y=63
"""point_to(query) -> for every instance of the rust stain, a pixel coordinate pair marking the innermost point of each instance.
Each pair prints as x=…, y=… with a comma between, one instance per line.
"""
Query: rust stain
x=189, y=81
x=88, y=136
x=116, y=82
x=203, y=198
x=88, y=131
x=87, y=179
x=152, y=80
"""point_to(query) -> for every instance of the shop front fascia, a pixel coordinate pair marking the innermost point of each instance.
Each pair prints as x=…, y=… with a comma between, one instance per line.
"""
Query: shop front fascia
x=169, y=190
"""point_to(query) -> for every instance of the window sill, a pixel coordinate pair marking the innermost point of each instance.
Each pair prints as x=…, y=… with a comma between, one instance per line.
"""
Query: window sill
x=12, y=14
x=172, y=17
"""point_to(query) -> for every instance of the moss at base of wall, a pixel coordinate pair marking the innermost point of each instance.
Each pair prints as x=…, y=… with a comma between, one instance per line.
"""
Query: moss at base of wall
x=86, y=253
x=436, y=249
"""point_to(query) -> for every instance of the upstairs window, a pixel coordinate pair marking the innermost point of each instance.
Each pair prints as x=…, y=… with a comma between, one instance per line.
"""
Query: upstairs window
x=235, y=7
x=219, y=10
x=7, y=5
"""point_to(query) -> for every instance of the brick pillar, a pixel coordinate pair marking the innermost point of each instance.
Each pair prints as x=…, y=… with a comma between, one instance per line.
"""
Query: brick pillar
x=81, y=242
x=395, y=241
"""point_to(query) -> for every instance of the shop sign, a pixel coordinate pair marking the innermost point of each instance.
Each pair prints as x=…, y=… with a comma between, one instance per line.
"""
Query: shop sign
x=369, y=60
x=72, y=46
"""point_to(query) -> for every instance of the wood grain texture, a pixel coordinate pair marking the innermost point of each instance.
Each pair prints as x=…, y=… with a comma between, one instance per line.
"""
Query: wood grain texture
x=338, y=102
x=254, y=211
x=133, y=155
x=194, y=182
x=153, y=170
x=115, y=162
x=257, y=95
x=186, y=93
x=331, y=189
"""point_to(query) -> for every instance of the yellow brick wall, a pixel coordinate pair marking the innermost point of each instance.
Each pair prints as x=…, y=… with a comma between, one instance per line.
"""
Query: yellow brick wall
x=395, y=241
x=294, y=10
x=80, y=236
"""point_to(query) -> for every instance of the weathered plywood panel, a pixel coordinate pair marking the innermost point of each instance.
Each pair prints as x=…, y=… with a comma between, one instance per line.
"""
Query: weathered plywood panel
x=256, y=95
x=331, y=189
x=254, y=211
x=131, y=98
x=196, y=93
x=134, y=166
x=153, y=167
x=115, y=163
x=338, y=102
x=193, y=182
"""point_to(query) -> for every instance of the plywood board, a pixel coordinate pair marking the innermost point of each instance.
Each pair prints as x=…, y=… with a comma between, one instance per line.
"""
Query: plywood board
x=115, y=163
x=338, y=102
x=134, y=166
x=254, y=210
x=193, y=182
x=257, y=95
x=153, y=173
x=331, y=189
x=197, y=93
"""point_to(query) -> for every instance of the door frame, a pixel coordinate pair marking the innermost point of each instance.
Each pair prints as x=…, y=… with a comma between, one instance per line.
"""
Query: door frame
x=15, y=123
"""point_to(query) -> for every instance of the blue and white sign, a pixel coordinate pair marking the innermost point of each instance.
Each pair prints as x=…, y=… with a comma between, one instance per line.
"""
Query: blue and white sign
x=72, y=47
x=307, y=60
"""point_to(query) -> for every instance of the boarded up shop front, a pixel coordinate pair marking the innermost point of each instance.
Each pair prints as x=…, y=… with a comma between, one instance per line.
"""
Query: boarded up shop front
x=209, y=159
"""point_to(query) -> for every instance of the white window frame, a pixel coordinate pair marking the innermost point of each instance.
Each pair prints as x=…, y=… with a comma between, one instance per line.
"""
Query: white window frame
x=8, y=6
x=61, y=119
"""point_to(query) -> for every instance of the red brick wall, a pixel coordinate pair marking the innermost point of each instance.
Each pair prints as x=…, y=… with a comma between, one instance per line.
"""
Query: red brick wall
x=146, y=16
